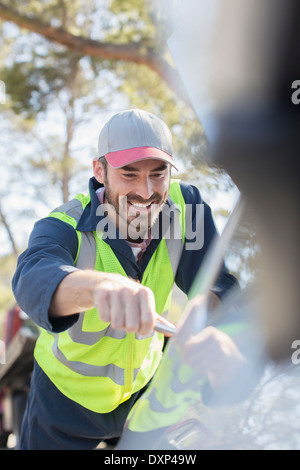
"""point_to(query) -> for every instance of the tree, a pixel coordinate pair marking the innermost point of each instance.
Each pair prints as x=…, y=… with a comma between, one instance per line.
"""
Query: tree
x=37, y=17
x=46, y=73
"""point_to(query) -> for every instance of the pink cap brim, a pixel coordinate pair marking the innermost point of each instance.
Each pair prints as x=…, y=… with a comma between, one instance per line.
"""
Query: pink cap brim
x=125, y=157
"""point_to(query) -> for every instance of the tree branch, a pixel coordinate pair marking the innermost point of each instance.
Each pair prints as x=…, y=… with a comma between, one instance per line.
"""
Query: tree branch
x=135, y=52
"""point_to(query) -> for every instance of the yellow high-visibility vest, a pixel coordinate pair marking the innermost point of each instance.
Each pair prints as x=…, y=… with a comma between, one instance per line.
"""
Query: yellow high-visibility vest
x=91, y=363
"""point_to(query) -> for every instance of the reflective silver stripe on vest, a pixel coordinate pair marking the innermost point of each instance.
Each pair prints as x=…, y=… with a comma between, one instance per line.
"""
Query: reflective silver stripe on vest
x=72, y=208
x=88, y=248
x=90, y=338
x=88, y=251
x=115, y=373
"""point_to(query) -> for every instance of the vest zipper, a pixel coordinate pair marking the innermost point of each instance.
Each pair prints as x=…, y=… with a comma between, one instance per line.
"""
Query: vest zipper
x=128, y=379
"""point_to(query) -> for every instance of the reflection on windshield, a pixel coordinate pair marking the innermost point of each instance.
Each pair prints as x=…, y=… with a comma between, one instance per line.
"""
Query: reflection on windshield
x=254, y=402
x=257, y=409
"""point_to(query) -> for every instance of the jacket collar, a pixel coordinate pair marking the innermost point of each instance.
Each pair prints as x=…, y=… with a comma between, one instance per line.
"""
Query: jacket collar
x=89, y=218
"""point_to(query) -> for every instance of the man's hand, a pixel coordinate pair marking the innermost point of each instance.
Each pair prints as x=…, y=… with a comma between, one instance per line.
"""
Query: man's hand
x=213, y=353
x=126, y=304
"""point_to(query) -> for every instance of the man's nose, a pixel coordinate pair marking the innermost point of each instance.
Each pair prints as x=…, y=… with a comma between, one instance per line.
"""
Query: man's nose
x=145, y=188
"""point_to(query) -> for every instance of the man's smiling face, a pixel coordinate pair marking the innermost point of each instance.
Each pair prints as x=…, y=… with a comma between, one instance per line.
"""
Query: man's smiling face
x=137, y=192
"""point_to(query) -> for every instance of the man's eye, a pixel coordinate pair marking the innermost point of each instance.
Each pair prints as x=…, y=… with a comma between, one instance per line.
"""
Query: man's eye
x=158, y=175
x=129, y=175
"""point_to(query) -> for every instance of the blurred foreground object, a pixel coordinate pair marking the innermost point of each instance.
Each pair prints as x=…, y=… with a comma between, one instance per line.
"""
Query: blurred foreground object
x=239, y=60
x=182, y=382
x=257, y=408
x=256, y=404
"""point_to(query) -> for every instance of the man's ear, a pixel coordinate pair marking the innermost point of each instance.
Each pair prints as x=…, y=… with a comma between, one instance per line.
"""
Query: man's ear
x=98, y=170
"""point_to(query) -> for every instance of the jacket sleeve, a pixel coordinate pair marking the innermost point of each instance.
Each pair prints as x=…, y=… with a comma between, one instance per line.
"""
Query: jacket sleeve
x=49, y=257
x=201, y=224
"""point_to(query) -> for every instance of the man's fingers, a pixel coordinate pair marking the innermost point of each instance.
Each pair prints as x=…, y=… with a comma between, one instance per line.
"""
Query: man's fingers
x=132, y=314
x=117, y=315
x=147, y=309
x=102, y=302
x=127, y=305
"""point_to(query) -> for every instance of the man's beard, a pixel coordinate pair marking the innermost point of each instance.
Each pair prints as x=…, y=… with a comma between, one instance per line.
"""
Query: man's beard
x=134, y=224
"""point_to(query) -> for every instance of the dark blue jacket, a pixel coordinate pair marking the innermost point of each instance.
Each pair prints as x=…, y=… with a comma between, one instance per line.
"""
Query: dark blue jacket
x=52, y=248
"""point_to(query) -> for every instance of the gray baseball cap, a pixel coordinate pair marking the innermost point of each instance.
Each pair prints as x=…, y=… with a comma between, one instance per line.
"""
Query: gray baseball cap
x=134, y=135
